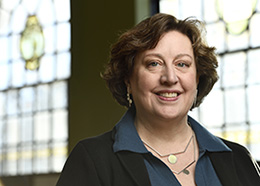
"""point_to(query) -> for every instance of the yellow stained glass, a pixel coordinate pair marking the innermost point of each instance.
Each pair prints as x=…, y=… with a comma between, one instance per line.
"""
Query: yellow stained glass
x=32, y=43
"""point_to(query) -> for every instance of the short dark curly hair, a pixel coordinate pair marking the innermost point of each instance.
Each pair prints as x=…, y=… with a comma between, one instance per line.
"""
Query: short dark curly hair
x=145, y=36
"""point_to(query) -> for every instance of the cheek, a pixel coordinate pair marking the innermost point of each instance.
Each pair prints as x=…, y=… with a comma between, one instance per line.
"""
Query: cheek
x=190, y=82
x=141, y=83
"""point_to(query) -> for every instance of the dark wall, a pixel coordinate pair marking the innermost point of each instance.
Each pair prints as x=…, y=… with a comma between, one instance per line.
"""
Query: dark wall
x=95, y=26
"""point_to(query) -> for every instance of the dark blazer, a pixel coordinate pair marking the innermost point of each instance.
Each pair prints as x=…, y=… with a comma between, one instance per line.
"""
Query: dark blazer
x=93, y=163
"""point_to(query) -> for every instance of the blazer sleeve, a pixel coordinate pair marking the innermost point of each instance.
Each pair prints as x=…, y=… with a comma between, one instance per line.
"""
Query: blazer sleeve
x=79, y=169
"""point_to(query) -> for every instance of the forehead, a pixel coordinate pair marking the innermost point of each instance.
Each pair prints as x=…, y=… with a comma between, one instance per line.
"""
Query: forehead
x=172, y=43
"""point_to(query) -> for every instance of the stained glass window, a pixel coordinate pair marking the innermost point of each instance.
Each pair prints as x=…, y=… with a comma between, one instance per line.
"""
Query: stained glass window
x=231, y=109
x=35, y=64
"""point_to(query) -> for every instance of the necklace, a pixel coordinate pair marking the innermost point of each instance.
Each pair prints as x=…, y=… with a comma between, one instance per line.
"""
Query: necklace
x=172, y=159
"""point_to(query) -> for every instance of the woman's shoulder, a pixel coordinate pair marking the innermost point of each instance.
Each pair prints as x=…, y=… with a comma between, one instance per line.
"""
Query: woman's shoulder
x=234, y=146
x=98, y=142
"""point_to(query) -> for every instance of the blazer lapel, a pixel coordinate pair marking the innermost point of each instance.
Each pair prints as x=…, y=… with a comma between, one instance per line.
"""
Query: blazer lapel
x=135, y=166
x=224, y=167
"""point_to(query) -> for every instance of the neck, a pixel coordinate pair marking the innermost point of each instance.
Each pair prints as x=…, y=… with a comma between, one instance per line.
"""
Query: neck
x=156, y=132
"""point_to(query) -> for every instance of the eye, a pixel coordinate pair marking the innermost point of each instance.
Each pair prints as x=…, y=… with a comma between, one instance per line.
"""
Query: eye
x=182, y=64
x=153, y=64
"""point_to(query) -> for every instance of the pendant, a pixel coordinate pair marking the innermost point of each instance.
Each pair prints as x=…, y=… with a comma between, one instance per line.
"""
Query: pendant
x=172, y=159
x=185, y=171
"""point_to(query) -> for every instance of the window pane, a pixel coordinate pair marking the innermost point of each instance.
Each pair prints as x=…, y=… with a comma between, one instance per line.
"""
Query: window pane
x=253, y=67
x=31, y=6
x=4, y=22
x=63, y=65
x=12, y=105
x=210, y=13
x=60, y=125
x=50, y=43
x=42, y=127
x=41, y=159
x=63, y=38
x=12, y=131
x=46, y=19
x=43, y=97
x=209, y=116
x=31, y=77
x=235, y=114
x=18, y=19
x=191, y=8
x=4, y=76
x=216, y=36
x=170, y=6
x=255, y=140
x=47, y=67
x=234, y=74
x=26, y=155
x=18, y=71
x=238, y=133
x=62, y=10
x=59, y=155
x=27, y=99
x=2, y=104
x=253, y=97
x=4, y=48
x=27, y=129
x=10, y=167
x=255, y=30
x=9, y=5
x=59, y=94
x=236, y=42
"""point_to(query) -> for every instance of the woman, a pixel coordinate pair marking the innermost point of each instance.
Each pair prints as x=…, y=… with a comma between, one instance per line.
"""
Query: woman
x=160, y=69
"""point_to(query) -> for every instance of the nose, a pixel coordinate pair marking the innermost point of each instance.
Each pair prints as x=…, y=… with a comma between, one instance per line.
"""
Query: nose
x=169, y=76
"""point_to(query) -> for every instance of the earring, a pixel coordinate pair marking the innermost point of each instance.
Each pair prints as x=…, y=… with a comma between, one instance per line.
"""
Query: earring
x=195, y=99
x=130, y=101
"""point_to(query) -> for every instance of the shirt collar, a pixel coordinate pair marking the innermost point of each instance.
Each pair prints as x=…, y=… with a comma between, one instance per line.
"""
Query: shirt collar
x=127, y=138
x=206, y=140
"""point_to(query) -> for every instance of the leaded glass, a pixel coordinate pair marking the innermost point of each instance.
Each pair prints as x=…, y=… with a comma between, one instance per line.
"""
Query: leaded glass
x=209, y=116
x=34, y=97
x=231, y=109
x=253, y=97
x=234, y=69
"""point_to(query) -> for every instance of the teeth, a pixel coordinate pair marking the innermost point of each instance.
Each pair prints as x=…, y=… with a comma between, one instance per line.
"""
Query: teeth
x=168, y=95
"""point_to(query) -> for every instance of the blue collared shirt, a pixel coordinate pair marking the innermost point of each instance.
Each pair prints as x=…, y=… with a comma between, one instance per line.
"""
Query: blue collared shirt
x=127, y=139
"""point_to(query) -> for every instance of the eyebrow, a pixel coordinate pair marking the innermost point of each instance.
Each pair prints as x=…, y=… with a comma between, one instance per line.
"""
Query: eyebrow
x=176, y=57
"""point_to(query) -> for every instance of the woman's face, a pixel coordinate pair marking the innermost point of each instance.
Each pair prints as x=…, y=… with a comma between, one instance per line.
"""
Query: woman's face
x=163, y=83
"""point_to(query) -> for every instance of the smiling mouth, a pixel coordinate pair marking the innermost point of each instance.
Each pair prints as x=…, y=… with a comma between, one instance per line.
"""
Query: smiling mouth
x=168, y=95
